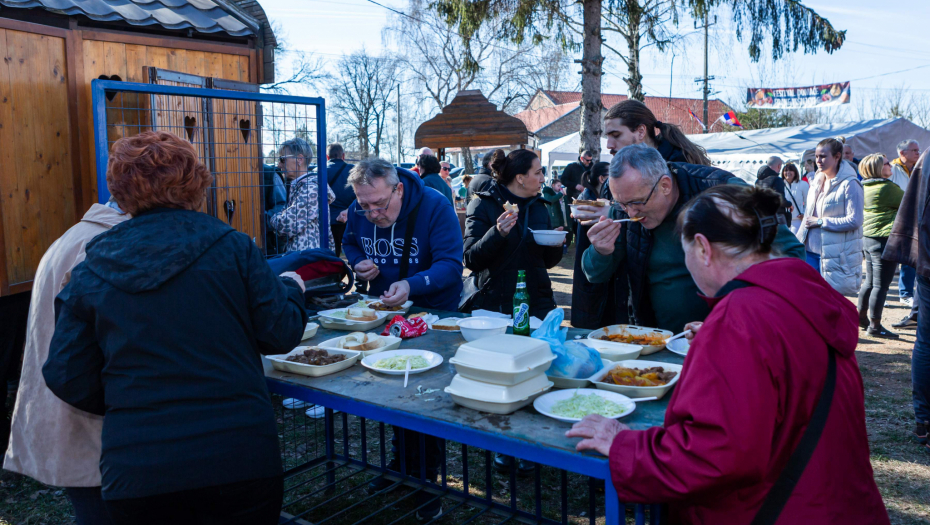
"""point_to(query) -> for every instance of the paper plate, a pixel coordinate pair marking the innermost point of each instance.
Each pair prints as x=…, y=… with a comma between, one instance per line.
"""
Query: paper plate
x=432, y=358
x=544, y=403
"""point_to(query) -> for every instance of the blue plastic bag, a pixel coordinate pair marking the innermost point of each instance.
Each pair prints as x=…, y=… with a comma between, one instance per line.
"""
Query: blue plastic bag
x=572, y=360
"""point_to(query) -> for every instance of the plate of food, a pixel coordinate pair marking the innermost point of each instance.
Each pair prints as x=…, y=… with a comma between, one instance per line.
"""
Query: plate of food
x=651, y=339
x=599, y=203
x=449, y=324
x=572, y=406
x=367, y=344
x=314, y=361
x=354, y=318
x=638, y=378
x=394, y=362
x=379, y=306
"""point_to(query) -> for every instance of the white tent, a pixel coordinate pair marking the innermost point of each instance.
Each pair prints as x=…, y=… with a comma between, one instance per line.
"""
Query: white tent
x=743, y=152
x=565, y=150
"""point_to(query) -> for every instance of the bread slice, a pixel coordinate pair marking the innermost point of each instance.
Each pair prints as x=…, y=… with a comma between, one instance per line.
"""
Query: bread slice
x=450, y=323
x=361, y=342
x=361, y=314
x=511, y=207
x=600, y=203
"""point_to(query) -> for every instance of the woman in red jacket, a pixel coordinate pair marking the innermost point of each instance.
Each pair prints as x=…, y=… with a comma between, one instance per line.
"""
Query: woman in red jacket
x=750, y=384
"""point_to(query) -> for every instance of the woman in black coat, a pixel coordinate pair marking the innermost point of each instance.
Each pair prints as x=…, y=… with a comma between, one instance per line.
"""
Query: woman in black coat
x=498, y=243
x=161, y=331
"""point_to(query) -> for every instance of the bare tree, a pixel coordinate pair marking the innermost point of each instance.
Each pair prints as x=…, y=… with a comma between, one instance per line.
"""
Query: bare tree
x=362, y=97
x=294, y=68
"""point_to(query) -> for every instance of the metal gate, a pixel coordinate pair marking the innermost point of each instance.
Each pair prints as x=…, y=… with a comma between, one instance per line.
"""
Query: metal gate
x=236, y=131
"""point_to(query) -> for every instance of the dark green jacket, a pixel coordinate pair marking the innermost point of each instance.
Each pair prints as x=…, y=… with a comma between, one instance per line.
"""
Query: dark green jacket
x=882, y=198
x=554, y=202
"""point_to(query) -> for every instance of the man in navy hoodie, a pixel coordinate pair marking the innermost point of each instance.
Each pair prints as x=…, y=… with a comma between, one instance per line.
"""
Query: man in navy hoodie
x=395, y=217
x=392, y=205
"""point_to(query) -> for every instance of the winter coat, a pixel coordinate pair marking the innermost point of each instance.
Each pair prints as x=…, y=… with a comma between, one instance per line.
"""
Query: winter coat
x=882, y=199
x=899, y=173
x=337, y=173
x=481, y=181
x=435, y=265
x=487, y=252
x=300, y=220
x=635, y=241
x=161, y=331
x=435, y=181
x=768, y=178
x=912, y=222
x=746, y=394
x=50, y=440
x=571, y=177
x=275, y=193
x=840, y=204
x=796, y=195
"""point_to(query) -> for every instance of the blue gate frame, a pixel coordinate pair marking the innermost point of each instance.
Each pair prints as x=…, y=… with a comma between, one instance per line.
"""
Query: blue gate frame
x=100, y=88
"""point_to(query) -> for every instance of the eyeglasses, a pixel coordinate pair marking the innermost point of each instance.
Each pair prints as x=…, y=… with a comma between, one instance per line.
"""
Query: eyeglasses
x=444, y=169
x=638, y=204
x=369, y=211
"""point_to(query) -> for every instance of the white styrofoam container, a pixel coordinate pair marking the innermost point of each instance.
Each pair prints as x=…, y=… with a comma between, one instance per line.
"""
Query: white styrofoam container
x=496, y=399
x=390, y=343
x=637, y=391
x=613, y=351
x=632, y=330
x=279, y=362
x=504, y=353
x=310, y=331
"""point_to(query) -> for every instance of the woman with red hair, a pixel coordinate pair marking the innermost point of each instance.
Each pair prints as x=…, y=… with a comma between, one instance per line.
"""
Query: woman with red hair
x=160, y=331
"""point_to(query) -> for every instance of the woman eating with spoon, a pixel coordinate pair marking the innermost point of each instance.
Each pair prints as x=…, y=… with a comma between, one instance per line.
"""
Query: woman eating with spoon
x=759, y=403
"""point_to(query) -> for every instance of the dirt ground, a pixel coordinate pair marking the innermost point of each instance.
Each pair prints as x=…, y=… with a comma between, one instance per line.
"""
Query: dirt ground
x=902, y=470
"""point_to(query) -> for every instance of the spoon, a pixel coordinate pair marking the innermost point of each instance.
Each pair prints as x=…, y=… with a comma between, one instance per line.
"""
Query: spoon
x=639, y=399
x=632, y=219
x=407, y=373
x=677, y=336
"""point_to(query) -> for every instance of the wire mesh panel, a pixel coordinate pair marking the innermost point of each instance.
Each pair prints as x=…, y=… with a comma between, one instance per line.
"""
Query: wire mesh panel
x=237, y=132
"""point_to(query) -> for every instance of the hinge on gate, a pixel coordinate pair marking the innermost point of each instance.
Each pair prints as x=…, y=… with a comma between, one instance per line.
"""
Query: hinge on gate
x=230, y=207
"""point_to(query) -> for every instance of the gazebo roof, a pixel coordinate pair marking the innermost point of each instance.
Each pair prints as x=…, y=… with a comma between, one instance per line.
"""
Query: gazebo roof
x=470, y=120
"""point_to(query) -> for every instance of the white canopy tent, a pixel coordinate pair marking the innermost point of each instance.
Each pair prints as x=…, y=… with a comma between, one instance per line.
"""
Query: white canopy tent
x=744, y=152
x=565, y=150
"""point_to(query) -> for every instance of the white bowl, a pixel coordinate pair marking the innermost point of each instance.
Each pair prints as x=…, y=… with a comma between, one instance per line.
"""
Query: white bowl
x=543, y=404
x=679, y=346
x=614, y=351
x=496, y=399
x=390, y=343
x=638, y=391
x=549, y=237
x=310, y=331
x=433, y=359
x=632, y=330
x=474, y=328
x=279, y=362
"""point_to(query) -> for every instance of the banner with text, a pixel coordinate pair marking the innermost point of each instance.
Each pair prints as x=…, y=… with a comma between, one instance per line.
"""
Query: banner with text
x=798, y=97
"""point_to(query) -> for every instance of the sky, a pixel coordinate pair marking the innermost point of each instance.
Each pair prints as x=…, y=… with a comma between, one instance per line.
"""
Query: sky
x=883, y=49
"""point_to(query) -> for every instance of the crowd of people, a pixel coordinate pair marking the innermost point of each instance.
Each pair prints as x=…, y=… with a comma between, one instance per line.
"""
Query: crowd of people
x=680, y=245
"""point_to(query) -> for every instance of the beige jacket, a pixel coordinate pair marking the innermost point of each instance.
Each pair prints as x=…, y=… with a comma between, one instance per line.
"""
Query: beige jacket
x=52, y=441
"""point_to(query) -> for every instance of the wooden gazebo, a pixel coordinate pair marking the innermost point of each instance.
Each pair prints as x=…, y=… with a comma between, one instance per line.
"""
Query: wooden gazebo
x=470, y=120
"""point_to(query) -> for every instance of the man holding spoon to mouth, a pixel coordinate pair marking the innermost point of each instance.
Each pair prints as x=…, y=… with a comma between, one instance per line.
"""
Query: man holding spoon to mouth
x=647, y=188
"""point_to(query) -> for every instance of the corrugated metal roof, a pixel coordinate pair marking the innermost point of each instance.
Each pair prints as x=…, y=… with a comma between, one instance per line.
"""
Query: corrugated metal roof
x=205, y=16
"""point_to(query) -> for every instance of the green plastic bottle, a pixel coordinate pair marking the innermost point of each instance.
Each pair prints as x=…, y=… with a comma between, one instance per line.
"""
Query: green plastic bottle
x=521, y=306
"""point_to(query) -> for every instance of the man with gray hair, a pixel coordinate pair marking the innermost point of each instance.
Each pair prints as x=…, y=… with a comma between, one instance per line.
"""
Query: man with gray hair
x=299, y=221
x=423, y=152
x=768, y=177
x=662, y=291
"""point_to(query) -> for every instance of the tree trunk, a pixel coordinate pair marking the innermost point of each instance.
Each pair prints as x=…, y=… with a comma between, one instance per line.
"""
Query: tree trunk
x=467, y=161
x=363, y=141
x=591, y=60
x=634, y=80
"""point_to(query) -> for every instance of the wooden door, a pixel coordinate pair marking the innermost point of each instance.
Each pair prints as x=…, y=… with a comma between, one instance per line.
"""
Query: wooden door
x=36, y=184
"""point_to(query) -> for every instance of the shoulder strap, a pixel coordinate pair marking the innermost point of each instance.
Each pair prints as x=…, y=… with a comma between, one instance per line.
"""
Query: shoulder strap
x=797, y=209
x=333, y=178
x=408, y=235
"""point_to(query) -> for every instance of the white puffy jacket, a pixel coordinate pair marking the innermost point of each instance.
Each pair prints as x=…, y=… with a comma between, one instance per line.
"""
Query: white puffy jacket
x=841, y=208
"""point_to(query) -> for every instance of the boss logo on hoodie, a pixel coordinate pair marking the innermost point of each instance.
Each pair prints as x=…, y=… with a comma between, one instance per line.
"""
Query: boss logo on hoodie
x=379, y=250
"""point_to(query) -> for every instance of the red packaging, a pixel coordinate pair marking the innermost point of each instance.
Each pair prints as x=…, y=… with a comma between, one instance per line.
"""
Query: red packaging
x=405, y=329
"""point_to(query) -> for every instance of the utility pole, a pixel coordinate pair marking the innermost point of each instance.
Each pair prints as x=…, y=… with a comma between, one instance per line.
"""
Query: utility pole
x=400, y=140
x=706, y=89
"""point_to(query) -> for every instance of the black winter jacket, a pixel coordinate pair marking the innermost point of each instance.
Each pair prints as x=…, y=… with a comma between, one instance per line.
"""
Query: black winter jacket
x=909, y=242
x=480, y=182
x=486, y=250
x=571, y=177
x=161, y=331
x=768, y=178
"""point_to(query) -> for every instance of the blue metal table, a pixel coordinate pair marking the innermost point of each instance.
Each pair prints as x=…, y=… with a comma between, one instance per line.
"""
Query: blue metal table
x=524, y=434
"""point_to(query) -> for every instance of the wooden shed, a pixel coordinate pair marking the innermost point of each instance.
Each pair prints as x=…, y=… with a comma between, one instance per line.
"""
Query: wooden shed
x=51, y=51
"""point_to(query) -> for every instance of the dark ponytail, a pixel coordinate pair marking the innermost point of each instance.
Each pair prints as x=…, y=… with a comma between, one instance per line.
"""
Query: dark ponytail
x=592, y=177
x=506, y=167
x=743, y=218
x=633, y=114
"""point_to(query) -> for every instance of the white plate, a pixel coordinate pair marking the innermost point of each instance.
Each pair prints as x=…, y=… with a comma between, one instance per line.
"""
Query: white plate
x=352, y=326
x=432, y=358
x=279, y=362
x=565, y=382
x=632, y=330
x=310, y=331
x=679, y=346
x=638, y=391
x=614, y=351
x=543, y=404
x=338, y=315
x=391, y=343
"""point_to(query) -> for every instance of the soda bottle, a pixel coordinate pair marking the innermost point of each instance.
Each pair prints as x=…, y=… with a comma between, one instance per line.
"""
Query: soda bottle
x=521, y=306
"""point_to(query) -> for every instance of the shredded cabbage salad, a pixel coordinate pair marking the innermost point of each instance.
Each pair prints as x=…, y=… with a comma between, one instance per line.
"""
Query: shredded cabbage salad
x=400, y=362
x=580, y=405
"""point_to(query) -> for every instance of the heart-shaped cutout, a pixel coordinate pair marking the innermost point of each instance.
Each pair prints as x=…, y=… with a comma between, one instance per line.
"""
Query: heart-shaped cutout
x=245, y=127
x=190, y=124
x=110, y=94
